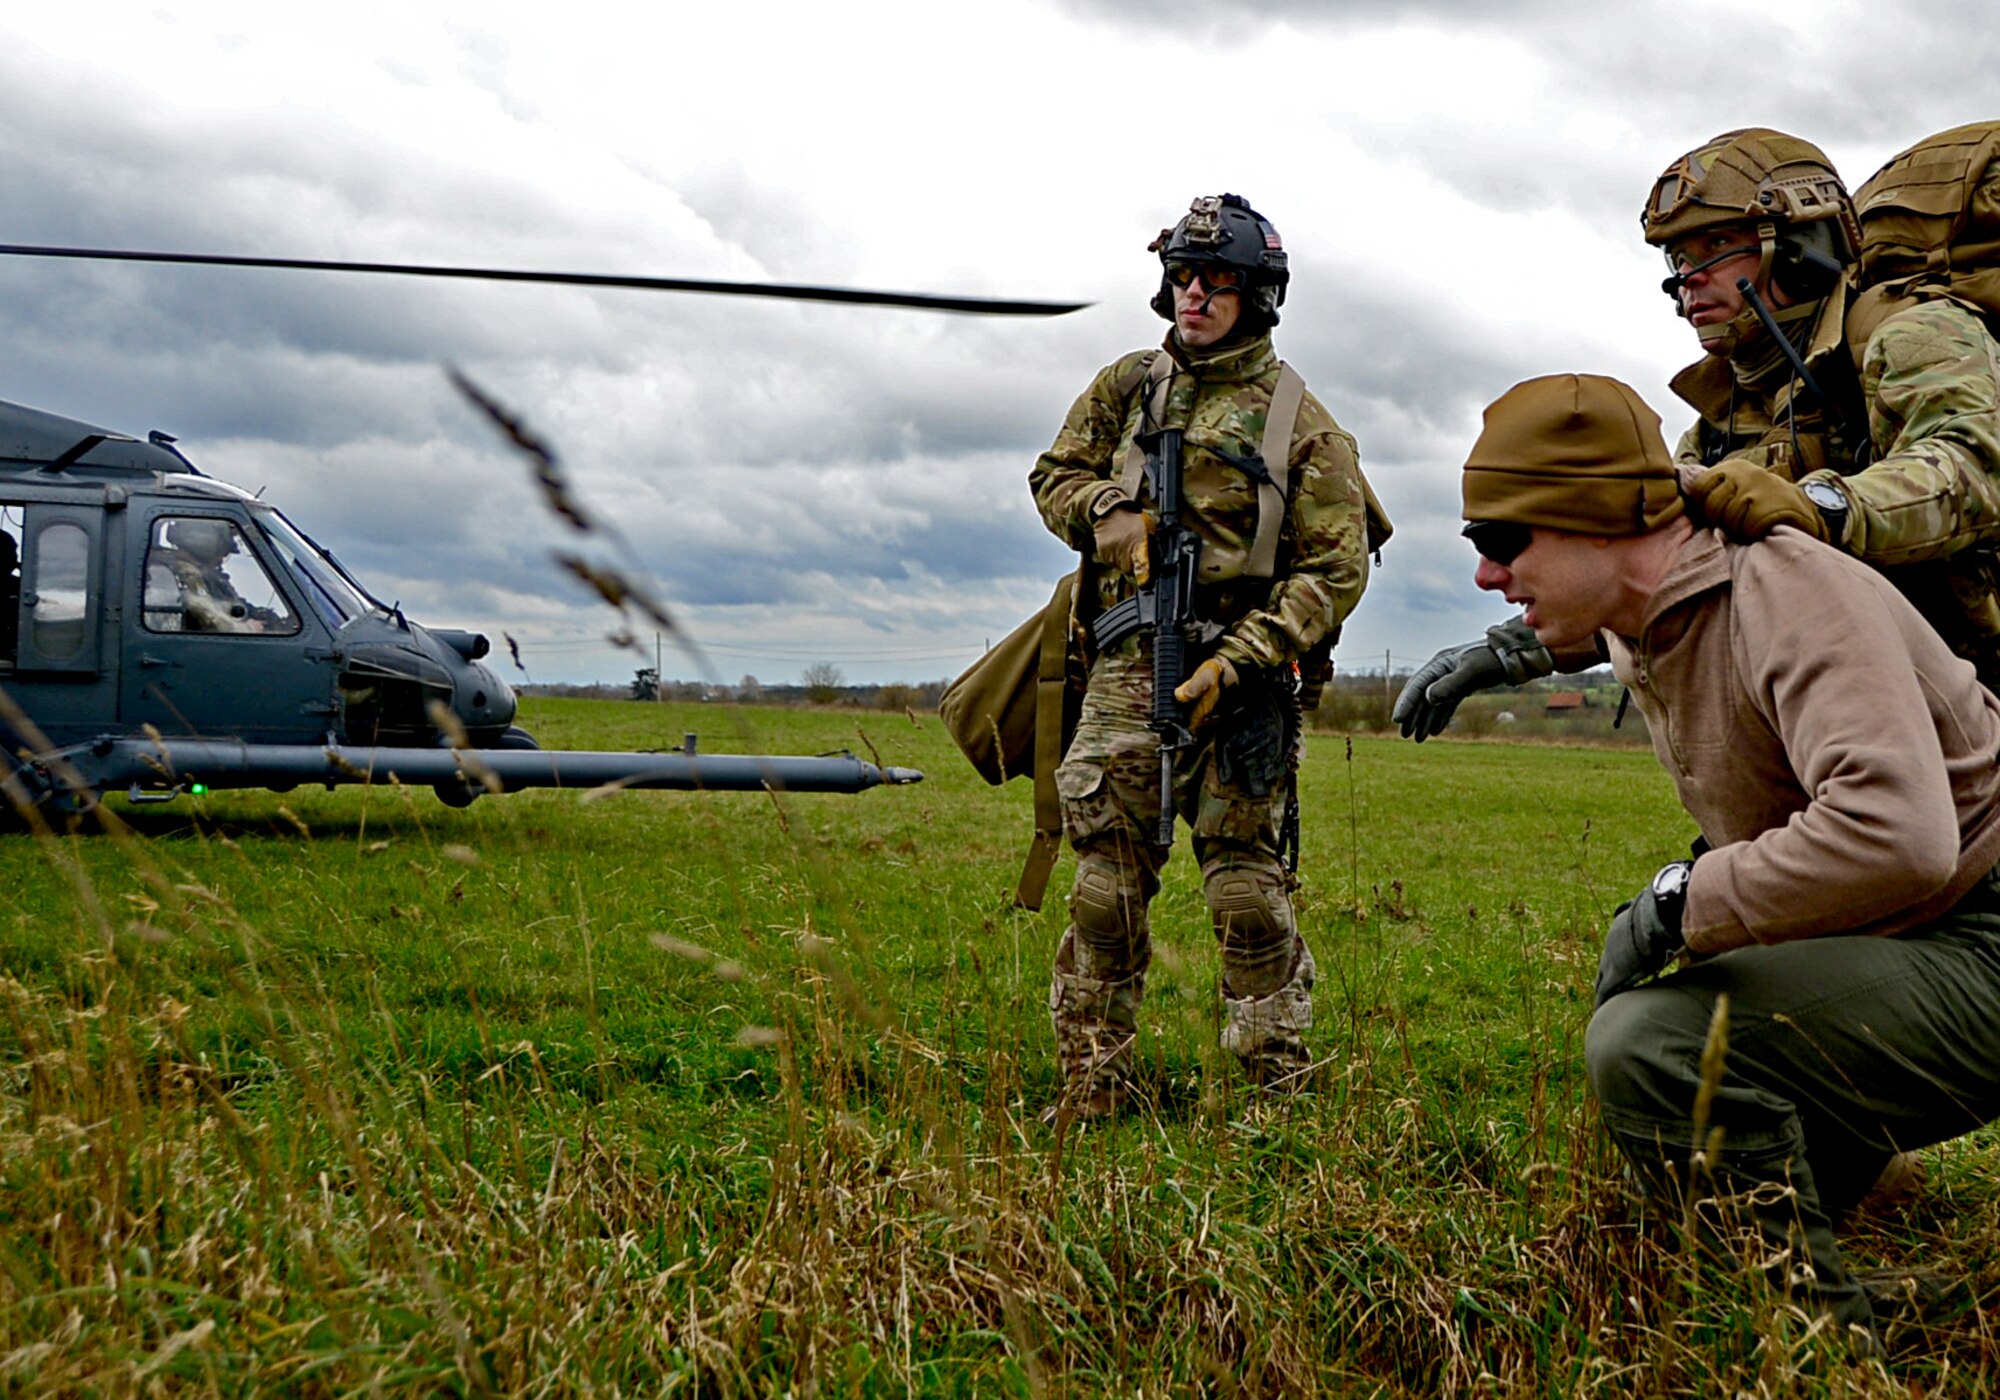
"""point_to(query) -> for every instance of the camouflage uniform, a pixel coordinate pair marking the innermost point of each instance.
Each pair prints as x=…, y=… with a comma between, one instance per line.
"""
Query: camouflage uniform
x=1235, y=784
x=1927, y=508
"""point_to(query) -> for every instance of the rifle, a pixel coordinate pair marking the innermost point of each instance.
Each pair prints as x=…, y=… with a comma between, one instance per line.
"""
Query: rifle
x=1164, y=603
x=1176, y=557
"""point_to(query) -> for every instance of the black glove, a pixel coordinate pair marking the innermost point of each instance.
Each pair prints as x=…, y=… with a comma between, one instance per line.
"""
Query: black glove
x=1510, y=655
x=1645, y=933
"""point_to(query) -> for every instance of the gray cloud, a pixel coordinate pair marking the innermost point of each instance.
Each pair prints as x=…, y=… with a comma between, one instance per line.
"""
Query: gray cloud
x=1225, y=17
x=1860, y=79
x=866, y=470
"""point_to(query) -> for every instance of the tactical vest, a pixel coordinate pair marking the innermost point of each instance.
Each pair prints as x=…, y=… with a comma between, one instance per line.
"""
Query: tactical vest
x=1271, y=468
x=1790, y=434
x=1015, y=710
x=1145, y=388
x=1930, y=230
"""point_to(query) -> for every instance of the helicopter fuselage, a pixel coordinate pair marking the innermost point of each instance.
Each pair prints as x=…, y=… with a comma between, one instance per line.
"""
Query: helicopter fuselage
x=166, y=629
x=152, y=595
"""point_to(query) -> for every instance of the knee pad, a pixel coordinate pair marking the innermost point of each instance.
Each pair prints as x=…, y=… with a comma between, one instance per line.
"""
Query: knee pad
x=1108, y=910
x=1253, y=924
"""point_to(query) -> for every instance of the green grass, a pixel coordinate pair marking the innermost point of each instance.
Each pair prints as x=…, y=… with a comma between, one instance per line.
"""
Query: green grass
x=343, y=1092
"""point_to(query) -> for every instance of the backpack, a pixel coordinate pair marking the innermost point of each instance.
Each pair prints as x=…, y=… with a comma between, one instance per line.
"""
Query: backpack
x=1015, y=709
x=1930, y=228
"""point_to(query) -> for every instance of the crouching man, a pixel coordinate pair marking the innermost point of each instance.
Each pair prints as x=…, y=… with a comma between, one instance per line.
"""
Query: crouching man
x=1839, y=761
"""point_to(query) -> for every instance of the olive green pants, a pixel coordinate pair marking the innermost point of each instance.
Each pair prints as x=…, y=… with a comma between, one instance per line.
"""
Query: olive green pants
x=1842, y=1052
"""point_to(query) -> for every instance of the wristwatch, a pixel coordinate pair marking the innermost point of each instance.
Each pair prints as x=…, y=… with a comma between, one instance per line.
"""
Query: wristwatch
x=1833, y=508
x=1670, y=889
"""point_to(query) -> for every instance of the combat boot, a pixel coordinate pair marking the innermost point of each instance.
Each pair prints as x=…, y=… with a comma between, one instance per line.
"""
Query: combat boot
x=1895, y=1190
x=1267, y=1034
x=1096, y=1022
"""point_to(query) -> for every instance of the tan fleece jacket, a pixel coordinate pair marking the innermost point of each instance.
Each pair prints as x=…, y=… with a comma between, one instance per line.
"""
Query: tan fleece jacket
x=1840, y=760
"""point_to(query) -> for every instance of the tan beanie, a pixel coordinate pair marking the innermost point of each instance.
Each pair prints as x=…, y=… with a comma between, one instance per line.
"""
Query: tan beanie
x=1577, y=452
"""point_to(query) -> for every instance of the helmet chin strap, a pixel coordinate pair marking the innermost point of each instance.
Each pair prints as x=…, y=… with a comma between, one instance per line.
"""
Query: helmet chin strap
x=1722, y=337
x=1242, y=306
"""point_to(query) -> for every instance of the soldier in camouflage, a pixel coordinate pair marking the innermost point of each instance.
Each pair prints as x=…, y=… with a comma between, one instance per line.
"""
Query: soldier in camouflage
x=197, y=553
x=1891, y=453
x=1224, y=274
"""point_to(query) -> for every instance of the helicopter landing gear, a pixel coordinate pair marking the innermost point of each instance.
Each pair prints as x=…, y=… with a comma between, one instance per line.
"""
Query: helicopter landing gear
x=456, y=793
x=21, y=792
x=459, y=793
x=31, y=795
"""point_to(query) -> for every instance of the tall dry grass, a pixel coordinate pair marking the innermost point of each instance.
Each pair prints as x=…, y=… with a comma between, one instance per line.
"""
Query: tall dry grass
x=733, y=1097
x=230, y=1163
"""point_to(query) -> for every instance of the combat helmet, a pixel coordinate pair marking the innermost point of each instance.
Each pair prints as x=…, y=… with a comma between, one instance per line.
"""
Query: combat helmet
x=1224, y=231
x=1783, y=188
x=204, y=539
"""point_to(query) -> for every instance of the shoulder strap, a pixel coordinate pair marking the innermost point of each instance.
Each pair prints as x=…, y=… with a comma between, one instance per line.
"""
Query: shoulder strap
x=1159, y=373
x=1276, y=488
x=1134, y=372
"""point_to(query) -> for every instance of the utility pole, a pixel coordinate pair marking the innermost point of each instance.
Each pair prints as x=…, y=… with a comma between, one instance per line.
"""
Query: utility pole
x=659, y=680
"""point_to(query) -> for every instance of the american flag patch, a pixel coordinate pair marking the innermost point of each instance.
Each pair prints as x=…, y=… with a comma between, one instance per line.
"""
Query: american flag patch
x=1271, y=240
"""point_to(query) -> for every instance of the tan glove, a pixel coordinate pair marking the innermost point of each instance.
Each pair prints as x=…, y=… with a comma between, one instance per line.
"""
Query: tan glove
x=1746, y=502
x=1121, y=541
x=1202, y=691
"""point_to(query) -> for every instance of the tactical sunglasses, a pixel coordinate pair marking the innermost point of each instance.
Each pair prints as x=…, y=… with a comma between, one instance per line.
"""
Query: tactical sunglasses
x=1498, y=540
x=1213, y=276
x=1682, y=270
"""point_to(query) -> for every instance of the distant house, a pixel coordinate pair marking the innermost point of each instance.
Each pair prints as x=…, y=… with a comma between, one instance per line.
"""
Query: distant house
x=1565, y=702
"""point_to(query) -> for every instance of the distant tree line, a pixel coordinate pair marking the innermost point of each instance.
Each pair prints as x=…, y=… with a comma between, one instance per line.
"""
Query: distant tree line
x=1579, y=707
x=1583, y=707
x=817, y=687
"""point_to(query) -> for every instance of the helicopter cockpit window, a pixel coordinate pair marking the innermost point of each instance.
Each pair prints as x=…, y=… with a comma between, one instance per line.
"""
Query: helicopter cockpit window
x=334, y=596
x=200, y=577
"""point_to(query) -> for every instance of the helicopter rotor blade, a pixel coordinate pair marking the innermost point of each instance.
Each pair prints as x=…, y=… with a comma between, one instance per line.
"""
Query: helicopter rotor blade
x=976, y=306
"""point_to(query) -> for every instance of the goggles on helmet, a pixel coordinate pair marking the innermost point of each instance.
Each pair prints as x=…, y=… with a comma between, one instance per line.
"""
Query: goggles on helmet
x=1500, y=541
x=1756, y=175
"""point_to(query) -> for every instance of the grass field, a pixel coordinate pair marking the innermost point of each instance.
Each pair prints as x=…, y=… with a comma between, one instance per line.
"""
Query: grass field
x=349, y=1092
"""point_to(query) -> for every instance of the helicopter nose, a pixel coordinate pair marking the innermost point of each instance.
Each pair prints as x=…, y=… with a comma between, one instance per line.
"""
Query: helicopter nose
x=484, y=700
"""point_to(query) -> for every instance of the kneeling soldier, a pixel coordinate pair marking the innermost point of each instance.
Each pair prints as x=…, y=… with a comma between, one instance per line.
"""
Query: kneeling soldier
x=1839, y=761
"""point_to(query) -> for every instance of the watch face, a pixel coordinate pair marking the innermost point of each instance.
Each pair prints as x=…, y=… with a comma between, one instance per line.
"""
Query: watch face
x=1826, y=496
x=1672, y=881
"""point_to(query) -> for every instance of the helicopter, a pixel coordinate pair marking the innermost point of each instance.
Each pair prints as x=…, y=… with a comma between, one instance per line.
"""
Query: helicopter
x=163, y=632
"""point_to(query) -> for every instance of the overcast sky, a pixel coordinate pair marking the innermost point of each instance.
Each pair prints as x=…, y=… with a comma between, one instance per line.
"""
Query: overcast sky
x=1457, y=182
